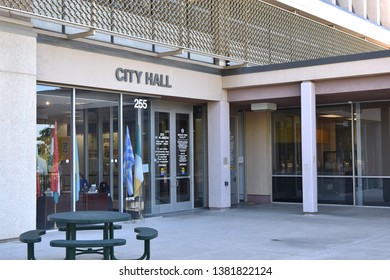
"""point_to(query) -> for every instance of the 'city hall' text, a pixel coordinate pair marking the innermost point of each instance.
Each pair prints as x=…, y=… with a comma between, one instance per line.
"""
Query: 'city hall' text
x=148, y=78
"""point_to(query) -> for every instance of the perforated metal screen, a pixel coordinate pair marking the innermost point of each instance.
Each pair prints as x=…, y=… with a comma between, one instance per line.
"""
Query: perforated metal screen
x=244, y=30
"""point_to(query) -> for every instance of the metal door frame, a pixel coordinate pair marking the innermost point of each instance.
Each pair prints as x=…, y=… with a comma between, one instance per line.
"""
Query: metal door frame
x=172, y=109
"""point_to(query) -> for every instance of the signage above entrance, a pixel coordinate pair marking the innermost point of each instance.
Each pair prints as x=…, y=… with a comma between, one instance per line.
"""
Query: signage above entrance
x=148, y=78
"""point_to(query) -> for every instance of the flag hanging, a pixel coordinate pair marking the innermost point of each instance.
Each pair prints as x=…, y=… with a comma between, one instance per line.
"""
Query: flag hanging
x=77, y=171
x=128, y=164
x=55, y=182
x=139, y=174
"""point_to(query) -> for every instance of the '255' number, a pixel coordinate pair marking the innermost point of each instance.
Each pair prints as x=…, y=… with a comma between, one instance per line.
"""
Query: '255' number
x=140, y=103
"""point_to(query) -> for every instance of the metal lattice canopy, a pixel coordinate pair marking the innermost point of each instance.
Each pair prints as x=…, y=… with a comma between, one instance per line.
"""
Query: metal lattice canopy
x=249, y=31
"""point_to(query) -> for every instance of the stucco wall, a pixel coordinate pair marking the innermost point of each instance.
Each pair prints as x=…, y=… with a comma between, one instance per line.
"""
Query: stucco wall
x=258, y=156
x=17, y=126
x=77, y=67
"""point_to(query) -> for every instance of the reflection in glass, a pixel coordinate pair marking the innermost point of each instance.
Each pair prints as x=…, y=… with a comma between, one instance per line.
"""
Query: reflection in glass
x=134, y=118
x=334, y=140
x=53, y=106
x=182, y=158
x=374, y=191
x=334, y=155
x=373, y=154
x=287, y=189
x=353, y=154
x=287, y=142
x=97, y=139
x=335, y=190
x=200, y=157
x=287, y=156
x=162, y=158
x=373, y=127
x=96, y=121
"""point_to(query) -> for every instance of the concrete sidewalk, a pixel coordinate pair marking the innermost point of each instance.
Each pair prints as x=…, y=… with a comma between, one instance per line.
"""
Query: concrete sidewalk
x=245, y=232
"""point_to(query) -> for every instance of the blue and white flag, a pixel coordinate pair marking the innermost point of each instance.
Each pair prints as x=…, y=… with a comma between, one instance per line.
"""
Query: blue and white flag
x=128, y=163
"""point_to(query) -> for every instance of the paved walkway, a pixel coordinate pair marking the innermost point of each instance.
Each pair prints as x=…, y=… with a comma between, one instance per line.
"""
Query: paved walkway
x=246, y=232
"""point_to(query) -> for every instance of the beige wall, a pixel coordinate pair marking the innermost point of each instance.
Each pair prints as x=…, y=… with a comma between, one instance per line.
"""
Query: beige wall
x=258, y=162
x=352, y=69
x=75, y=67
x=358, y=85
x=17, y=124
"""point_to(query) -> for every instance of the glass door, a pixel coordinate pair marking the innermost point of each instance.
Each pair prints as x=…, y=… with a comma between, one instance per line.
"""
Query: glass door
x=234, y=192
x=173, y=178
x=97, y=145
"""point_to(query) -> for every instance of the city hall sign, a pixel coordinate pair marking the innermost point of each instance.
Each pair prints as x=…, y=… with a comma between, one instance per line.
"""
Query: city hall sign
x=147, y=78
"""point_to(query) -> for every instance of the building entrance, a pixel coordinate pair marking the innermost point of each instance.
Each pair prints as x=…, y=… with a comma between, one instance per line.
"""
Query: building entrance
x=172, y=170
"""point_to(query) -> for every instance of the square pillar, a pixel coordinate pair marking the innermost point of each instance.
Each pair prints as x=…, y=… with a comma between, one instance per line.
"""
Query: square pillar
x=18, y=126
x=218, y=155
x=309, y=147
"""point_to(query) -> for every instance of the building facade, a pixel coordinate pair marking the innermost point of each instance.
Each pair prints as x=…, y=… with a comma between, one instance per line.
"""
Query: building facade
x=215, y=116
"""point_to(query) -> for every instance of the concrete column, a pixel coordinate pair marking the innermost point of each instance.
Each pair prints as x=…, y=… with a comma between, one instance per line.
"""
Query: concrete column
x=359, y=7
x=18, y=126
x=385, y=13
x=218, y=155
x=373, y=11
x=346, y=4
x=309, y=147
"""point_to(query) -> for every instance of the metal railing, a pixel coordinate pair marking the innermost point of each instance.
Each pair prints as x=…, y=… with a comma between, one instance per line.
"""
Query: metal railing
x=240, y=30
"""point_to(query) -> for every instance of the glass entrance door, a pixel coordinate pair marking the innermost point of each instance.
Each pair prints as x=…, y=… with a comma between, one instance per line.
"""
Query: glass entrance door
x=97, y=143
x=173, y=178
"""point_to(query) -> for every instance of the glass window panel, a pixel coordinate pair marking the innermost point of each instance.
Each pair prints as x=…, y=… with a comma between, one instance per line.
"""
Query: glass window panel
x=97, y=143
x=53, y=172
x=183, y=160
x=287, y=156
x=53, y=106
x=136, y=116
x=287, y=152
x=352, y=151
x=335, y=190
x=373, y=138
x=334, y=140
x=287, y=189
x=182, y=145
x=162, y=161
x=373, y=191
x=200, y=154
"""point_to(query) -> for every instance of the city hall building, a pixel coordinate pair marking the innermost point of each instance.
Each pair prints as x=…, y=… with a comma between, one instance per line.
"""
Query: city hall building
x=223, y=102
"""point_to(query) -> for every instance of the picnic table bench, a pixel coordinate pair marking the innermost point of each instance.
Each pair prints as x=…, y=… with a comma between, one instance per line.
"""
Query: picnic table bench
x=74, y=246
x=83, y=220
x=143, y=233
x=92, y=220
x=146, y=234
x=31, y=237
